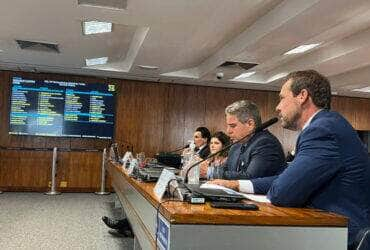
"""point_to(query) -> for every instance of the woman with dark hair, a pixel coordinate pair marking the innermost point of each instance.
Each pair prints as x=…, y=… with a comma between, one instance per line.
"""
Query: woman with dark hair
x=219, y=140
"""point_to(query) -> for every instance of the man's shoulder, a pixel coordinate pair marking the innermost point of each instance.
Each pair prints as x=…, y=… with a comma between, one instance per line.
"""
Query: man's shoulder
x=235, y=147
x=328, y=117
x=266, y=137
x=330, y=122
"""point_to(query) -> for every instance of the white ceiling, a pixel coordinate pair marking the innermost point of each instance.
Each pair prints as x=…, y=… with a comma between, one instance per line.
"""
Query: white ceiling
x=189, y=40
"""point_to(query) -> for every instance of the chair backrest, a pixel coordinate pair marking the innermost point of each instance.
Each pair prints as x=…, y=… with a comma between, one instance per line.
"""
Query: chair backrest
x=363, y=239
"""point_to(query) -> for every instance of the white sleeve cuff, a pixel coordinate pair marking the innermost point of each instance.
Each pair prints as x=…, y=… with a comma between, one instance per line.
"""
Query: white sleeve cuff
x=246, y=186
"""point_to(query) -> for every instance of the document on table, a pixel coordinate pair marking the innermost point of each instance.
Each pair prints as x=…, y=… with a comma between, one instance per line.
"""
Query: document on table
x=253, y=197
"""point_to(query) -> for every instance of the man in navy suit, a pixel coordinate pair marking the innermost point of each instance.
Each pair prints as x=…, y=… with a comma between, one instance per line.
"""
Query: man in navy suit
x=331, y=170
x=259, y=155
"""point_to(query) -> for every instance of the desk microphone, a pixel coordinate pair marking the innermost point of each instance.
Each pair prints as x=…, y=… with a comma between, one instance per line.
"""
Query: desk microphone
x=173, y=151
x=256, y=130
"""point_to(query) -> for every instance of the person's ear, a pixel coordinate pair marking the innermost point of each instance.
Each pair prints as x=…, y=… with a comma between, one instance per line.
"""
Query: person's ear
x=303, y=96
x=251, y=122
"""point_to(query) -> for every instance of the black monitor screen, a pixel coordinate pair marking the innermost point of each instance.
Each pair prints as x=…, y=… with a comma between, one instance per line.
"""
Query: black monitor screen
x=58, y=108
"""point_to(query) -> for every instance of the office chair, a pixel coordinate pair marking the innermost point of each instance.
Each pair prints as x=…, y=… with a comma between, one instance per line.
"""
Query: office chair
x=362, y=241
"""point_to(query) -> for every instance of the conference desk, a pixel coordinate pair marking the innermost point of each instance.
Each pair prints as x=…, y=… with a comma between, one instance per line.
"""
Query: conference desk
x=188, y=226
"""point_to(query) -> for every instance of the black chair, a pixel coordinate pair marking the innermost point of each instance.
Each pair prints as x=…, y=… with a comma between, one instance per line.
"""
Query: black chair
x=362, y=241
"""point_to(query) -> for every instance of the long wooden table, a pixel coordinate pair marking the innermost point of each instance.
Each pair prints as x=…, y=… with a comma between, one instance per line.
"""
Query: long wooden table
x=178, y=225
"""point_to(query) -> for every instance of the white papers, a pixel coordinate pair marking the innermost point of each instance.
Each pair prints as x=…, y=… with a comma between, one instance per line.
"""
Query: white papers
x=253, y=197
x=161, y=185
x=214, y=186
x=257, y=197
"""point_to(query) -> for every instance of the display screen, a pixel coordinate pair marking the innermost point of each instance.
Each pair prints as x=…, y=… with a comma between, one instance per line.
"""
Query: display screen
x=59, y=108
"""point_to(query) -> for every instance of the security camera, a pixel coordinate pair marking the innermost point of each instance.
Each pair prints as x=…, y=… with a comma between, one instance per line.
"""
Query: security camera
x=219, y=75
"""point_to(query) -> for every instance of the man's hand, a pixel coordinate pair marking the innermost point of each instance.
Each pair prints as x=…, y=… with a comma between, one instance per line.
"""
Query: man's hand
x=226, y=183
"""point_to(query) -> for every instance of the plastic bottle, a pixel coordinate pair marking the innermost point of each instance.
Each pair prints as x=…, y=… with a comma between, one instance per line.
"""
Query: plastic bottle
x=187, y=156
x=193, y=175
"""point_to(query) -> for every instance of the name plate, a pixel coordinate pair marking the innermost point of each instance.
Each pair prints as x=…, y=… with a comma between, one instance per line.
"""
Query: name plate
x=133, y=164
x=126, y=159
x=162, y=183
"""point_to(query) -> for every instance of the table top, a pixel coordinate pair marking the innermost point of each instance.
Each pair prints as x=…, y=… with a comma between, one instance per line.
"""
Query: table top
x=178, y=212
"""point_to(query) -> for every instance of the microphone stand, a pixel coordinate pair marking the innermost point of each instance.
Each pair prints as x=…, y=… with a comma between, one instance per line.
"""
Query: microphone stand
x=173, y=151
x=260, y=128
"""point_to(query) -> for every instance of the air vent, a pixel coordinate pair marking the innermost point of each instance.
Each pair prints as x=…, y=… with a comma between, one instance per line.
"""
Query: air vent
x=38, y=46
x=111, y=4
x=244, y=66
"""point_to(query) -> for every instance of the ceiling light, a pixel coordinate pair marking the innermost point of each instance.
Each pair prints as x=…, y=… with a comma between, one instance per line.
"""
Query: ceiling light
x=95, y=27
x=365, y=89
x=147, y=67
x=243, y=76
x=302, y=48
x=277, y=76
x=96, y=61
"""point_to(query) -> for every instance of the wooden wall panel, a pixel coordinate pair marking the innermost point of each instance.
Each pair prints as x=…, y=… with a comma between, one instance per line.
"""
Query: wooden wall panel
x=24, y=170
x=194, y=108
x=151, y=117
x=174, y=118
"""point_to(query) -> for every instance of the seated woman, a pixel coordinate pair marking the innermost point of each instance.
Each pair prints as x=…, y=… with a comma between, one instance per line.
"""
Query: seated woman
x=212, y=165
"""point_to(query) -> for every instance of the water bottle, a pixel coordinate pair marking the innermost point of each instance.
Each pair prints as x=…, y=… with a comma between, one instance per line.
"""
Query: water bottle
x=193, y=175
x=186, y=157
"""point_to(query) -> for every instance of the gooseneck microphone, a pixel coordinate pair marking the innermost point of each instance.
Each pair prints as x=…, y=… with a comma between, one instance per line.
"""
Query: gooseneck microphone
x=173, y=151
x=256, y=130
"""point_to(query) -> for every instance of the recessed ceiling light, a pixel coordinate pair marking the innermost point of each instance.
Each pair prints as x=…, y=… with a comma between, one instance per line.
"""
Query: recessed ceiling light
x=95, y=27
x=96, y=61
x=302, y=48
x=243, y=76
x=365, y=89
x=147, y=67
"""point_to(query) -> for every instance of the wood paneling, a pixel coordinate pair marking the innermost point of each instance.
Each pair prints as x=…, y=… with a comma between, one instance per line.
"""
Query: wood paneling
x=151, y=117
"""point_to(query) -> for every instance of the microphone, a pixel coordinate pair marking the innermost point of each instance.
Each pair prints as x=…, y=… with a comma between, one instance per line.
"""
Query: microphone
x=256, y=130
x=265, y=125
x=173, y=151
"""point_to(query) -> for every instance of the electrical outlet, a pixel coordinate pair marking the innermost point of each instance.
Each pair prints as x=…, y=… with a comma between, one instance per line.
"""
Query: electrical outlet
x=63, y=184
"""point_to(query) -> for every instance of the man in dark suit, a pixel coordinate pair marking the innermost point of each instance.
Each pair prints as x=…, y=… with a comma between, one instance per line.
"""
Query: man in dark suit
x=259, y=155
x=202, y=137
x=331, y=170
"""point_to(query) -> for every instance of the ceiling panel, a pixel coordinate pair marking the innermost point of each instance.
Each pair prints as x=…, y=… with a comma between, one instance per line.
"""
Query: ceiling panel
x=188, y=40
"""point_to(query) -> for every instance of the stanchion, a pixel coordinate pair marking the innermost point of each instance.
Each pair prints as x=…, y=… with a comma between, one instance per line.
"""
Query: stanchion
x=53, y=174
x=102, y=183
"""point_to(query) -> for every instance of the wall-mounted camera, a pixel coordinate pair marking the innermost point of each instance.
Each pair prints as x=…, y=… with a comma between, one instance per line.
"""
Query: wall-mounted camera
x=219, y=75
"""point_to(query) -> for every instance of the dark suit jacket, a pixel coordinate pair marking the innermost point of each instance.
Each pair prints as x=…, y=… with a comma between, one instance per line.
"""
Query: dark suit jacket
x=330, y=171
x=204, y=152
x=262, y=155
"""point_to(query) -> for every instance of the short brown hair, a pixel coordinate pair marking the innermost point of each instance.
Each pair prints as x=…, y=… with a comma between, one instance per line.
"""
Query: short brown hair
x=317, y=85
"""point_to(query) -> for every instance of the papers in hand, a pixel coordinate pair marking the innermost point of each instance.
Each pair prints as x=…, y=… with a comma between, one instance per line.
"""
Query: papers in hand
x=253, y=197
